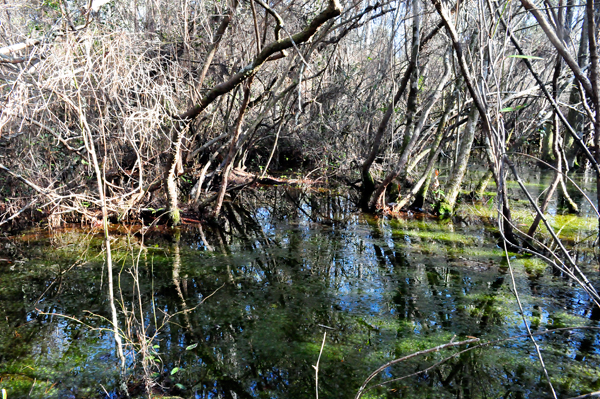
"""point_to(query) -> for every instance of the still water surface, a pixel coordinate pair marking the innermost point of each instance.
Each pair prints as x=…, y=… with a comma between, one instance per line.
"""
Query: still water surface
x=241, y=311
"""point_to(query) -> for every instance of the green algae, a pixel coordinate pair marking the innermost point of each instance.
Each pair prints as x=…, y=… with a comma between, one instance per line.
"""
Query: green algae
x=534, y=266
x=248, y=309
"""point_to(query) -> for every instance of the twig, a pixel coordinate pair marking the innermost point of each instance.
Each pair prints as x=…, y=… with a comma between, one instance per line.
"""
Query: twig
x=19, y=46
x=537, y=348
x=32, y=385
x=592, y=289
x=316, y=367
x=587, y=395
x=24, y=180
x=77, y=263
x=363, y=388
x=79, y=321
x=547, y=165
x=19, y=212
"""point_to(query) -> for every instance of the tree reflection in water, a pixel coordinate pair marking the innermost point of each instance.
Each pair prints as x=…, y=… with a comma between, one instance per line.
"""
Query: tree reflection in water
x=286, y=266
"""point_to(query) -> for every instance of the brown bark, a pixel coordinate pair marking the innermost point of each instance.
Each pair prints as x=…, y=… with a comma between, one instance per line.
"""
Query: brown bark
x=332, y=11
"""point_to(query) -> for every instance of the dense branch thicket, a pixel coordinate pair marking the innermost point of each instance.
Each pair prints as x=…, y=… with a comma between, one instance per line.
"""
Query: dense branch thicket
x=158, y=110
x=191, y=100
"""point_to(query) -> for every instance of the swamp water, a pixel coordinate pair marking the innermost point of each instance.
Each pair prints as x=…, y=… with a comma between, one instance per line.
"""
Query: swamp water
x=241, y=312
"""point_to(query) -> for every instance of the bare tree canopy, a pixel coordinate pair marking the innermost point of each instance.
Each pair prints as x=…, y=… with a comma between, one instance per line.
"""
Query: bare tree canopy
x=186, y=102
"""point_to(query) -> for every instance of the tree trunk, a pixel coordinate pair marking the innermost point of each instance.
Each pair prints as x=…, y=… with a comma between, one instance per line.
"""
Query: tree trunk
x=576, y=120
x=333, y=9
x=595, y=83
x=482, y=185
x=572, y=133
x=556, y=152
x=367, y=180
x=228, y=164
x=433, y=99
x=448, y=203
x=215, y=44
x=548, y=138
x=565, y=197
x=421, y=195
x=485, y=121
x=173, y=169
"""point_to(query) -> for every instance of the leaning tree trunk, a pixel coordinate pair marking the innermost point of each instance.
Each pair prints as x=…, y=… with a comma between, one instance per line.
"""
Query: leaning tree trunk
x=367, y=180
x=228, y=164
x=421, y=195
x=268, y=53
x=433, y=99
x=215, y=44
x=483, y=113
x=368, y=184
x=446, y=206
x=482, y=185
